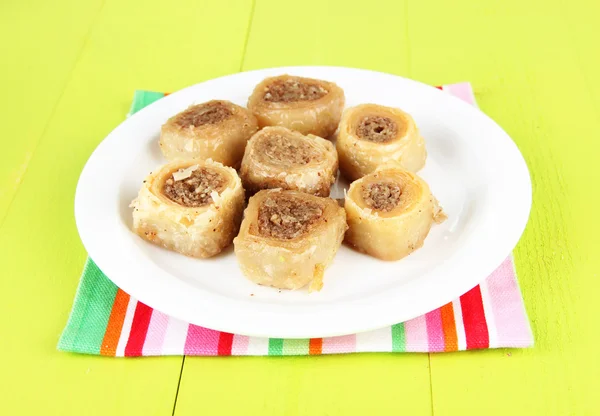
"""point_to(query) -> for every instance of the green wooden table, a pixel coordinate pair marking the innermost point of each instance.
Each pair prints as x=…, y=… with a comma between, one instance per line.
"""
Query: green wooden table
x=68, y=71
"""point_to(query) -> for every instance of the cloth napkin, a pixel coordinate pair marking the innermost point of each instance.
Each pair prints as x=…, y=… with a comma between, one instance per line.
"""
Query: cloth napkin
x=107, y=321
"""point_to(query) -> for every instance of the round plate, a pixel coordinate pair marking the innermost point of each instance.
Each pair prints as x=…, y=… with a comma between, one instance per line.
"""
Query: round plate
x=473, y=168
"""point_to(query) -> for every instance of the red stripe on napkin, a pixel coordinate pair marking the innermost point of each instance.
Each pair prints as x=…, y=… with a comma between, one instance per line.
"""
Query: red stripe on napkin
x=225, y=343
x=476, y=329
x=139, y=329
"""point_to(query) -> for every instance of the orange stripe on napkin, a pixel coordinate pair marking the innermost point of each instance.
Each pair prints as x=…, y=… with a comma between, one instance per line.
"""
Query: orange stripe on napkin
x=449, y=327
x=115, y=324
x=315, y=346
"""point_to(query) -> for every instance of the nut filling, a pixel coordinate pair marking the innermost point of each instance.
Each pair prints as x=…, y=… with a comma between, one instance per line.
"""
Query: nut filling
x=291, y=150
x=382, y=196
x=285, y=91
x=286, y=217
x=195, y=190
x=377, y=129
x=210, y=113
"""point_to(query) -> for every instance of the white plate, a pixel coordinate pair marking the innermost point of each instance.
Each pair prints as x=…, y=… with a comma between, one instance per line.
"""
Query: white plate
x=473, y=168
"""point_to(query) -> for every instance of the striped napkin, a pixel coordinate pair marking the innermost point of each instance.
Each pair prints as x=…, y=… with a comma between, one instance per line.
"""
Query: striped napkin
x=107, y=321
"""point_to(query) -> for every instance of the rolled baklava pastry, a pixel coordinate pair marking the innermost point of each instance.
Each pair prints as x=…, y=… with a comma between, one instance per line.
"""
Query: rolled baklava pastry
x=307, y=105
x=216, y=130
x=191, y=207
x=372, y=136
x=277, y=157
x=390, y=212
x=288, y=238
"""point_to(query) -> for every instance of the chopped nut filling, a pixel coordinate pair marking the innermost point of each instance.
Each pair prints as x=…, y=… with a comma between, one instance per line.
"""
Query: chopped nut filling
x=286, y=217
x=377, y=129
x=291, y=90
x=212, y=112
x=381, y=196
x=194, y=191
x=287, y=149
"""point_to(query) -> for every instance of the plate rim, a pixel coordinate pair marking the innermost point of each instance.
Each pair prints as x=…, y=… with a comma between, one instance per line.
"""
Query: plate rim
x=220, y=322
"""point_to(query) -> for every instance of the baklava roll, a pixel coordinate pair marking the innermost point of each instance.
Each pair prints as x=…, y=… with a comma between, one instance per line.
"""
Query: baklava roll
x=191, y=207
x=277, y=157
x=216, y=130
x=390, y=212
x=307, y=105
x=372, y=136
x=288, y=238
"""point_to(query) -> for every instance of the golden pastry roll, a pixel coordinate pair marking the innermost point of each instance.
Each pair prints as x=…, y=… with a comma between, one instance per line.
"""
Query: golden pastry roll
x=307, y=105
x=372, y=136
x=191, y=207
x=390, y=212
x=277, y=157
x=288, y=238
x=216, y=130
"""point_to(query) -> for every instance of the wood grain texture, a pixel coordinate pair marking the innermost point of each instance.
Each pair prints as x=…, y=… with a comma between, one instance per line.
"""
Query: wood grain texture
x=39, y=43
x=533, y=65
x=315, y=33
x=333, y=32
x=364, y=384
x=131, y=46
x=527, y=76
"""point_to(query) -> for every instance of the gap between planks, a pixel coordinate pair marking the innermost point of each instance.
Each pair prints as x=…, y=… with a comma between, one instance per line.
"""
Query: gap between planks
x=244, y=48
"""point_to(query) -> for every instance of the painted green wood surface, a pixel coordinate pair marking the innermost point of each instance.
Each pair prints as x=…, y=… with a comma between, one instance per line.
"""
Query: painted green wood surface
x=36, y=62
x=74, y=66
x=130, y=45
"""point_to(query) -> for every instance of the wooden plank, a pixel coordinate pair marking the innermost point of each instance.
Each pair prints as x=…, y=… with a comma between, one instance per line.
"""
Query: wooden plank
x=534, y=79
x=134, y=45
x=528, y=76
x=334, y=32
x=315, y=33
x=40, y=44
x=377, y=384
